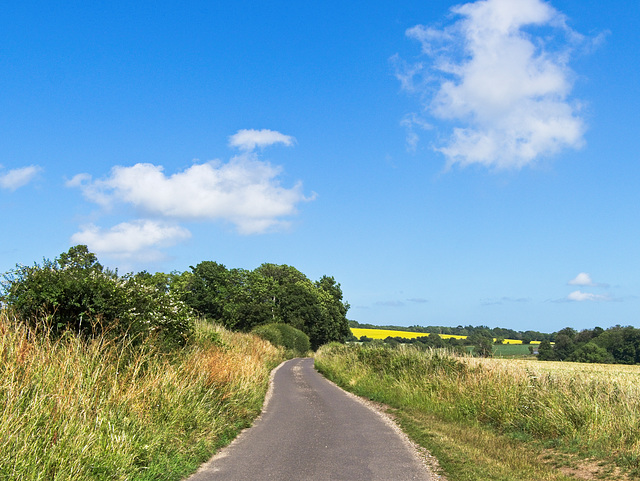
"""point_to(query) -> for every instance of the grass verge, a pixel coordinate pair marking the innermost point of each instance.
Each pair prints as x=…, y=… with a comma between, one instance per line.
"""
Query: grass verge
x=498, y=420
x=77, y=409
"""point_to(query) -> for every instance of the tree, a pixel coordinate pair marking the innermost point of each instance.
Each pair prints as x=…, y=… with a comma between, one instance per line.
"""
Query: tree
x=591, y=352
x=622, y=342
x=483, y=344
x=75, y=293
x=564, y=343
x=272, y=293
x=546, y=352
x=208, y=289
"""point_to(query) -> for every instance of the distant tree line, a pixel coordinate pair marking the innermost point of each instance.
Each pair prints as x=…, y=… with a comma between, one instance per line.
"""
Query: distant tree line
x=620, y=345
x=74, y=292
x=482, y=344
x=497, y=332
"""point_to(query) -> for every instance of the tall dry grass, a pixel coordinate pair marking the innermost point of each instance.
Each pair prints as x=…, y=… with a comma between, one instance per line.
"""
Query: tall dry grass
x=75, y=409
x=592, y=412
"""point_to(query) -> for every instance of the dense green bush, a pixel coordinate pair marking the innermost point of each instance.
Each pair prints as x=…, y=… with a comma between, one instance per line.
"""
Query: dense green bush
x=75, y=293
x=241, y=300
x=284, y=335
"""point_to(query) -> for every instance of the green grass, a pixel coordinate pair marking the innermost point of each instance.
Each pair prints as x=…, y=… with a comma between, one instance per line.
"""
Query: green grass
x=511, y=350
x=493, y=419
x=74, y=409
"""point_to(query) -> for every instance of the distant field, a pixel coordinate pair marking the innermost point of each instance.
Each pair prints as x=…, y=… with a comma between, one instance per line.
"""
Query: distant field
x=625, y=376
x=384, y=333
x=511, y=350
x=516, y=419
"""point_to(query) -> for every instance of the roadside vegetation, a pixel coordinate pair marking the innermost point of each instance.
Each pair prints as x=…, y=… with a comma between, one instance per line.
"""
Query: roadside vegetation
x=511, y=420
x=77, y=408
x=144, y=376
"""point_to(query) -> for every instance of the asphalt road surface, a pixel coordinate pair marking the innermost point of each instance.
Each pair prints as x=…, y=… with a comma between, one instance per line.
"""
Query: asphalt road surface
x=312, y=430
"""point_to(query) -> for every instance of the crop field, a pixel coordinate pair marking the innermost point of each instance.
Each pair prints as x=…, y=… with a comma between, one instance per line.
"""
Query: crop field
x=511, y=350
x=626, y=377
x=587, y=415
x=384, y=333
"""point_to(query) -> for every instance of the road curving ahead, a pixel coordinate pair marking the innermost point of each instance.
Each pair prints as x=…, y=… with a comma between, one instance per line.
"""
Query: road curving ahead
x=311, y=430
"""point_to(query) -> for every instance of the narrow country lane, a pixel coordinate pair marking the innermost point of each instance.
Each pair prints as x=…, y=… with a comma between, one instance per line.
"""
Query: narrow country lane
x=312, y=430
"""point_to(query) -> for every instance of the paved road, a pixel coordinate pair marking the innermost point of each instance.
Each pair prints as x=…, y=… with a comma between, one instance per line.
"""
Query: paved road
x=312, y=430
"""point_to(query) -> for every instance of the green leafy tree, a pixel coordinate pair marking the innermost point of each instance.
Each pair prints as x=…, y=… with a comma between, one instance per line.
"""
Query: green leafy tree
x=546, y=352
x=591, y=352
x=483, y=344
x=622, y=342
x=564, y=343
x=207, y=290
x=74, y=292
x=272, y=293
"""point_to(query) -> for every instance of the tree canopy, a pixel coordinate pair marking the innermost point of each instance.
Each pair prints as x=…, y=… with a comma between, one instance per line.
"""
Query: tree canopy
x=75, y=292
x=242, y=299
x=617, y=344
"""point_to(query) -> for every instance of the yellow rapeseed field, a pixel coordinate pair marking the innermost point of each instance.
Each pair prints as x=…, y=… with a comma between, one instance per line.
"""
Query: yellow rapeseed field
x=384, y=333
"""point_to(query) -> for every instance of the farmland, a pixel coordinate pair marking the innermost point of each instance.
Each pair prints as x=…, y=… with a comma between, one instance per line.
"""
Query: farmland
x=384, y=333
x=551, y=418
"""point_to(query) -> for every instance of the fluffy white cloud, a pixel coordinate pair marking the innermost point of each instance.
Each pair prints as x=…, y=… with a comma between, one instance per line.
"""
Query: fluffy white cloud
x=249, y=139
x=16, y=178
x=128, y=239
x=505, y=87
x=586, y=296
x=244, y=191
x=582, y=279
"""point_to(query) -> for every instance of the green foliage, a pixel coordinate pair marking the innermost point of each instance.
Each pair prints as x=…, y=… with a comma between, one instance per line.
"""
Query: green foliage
x=284, y=335
x=591, y=352
x=270, y=333
x=620, y=345
x=75, y=293
x=545, y=351
x=483, y=344
x=242, y=300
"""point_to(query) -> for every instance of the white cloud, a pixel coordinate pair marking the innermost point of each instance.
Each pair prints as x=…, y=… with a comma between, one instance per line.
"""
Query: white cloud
x=16, y=178
x=128, y=239
x=410, y=122
x=582, y=279
x=580, y=296
x=245, y=191
x=249, y=139
x=504, y=88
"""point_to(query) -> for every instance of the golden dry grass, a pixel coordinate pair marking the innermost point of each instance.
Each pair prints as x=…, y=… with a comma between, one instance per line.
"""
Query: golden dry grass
x=586, y=409
x=75, y=409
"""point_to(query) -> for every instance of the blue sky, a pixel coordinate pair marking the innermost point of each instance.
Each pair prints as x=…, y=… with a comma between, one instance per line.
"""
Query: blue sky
x=447, y=163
